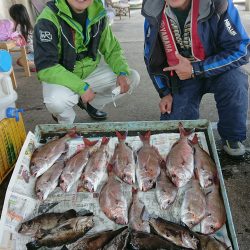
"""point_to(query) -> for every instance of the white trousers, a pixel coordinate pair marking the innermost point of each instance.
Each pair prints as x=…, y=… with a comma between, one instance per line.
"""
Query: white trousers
x=60, y=100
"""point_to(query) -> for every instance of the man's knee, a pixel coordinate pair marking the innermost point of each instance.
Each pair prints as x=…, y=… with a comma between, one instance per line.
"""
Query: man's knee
x=233, y=81
x=55, y=105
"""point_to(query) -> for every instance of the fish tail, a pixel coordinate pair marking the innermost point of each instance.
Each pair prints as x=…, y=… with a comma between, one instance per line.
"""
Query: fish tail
x=183, y=132
x=120, y=136
x=33, y=245
x=105, y=140
x=72, y=133
x=195, y=139
x=145, y=137
x=89, y=143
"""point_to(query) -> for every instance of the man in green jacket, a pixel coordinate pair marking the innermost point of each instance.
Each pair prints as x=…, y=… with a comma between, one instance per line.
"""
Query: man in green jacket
x=70, y=37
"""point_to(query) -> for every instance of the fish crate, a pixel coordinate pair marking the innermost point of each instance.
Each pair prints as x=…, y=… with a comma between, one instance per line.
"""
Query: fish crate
x=88, y=130
x=12, y=137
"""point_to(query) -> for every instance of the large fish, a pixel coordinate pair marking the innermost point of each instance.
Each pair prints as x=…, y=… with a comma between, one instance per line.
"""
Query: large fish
x=135, y=214
x=180, y=160
x=193, y=208
x=119, y=242
x=148, y=164
x=96, y=241
x=177, y=234
x=45, y=156
x=47, y=182
x=215, y=210
x=146, y=241
x=65, y=233
x=166, y=191
x=205, y=168
x=210, y=243
x=123, y=161
x=75, y=165
x=44, y=222
x=96, y=168
x=112, y=201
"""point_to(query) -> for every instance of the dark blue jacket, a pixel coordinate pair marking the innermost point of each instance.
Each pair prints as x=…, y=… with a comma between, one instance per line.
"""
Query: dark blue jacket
x=224, y=39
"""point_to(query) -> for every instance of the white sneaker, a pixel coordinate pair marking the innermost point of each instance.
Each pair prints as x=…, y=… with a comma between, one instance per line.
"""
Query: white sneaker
x=234, y=148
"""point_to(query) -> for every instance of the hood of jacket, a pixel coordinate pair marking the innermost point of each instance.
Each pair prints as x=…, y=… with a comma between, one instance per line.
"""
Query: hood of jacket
x=154, y=8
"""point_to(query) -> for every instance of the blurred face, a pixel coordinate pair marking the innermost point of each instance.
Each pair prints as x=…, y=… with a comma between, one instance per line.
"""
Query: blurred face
x=179, y=4
x=79, y=5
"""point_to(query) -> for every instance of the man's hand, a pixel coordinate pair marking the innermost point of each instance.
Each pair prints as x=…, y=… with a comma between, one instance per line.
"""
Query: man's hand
x=166, y=104
x=183, y=69
x=88, y=95
x=124, y=83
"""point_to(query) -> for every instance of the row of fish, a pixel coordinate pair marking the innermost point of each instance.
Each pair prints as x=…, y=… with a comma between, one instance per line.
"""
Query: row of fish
x=69, y=228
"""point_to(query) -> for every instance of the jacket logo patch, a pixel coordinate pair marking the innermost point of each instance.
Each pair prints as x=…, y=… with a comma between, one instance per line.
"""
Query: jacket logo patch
x=229, y=27
x=45, y=36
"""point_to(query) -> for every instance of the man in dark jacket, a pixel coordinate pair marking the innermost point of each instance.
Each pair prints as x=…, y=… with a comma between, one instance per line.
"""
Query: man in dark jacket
x=193, y=47
x=70, y=38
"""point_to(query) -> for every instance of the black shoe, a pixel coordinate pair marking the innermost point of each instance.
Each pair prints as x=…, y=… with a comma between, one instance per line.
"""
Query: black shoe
x=92, y=112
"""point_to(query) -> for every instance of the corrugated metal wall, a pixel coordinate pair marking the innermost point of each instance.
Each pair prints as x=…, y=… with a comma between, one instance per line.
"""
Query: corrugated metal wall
x=5, y=5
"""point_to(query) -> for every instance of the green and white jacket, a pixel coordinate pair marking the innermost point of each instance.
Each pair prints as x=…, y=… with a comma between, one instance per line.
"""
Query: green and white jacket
x=66, y=56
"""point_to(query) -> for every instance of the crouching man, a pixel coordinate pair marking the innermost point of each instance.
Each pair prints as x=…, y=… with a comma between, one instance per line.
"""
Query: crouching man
x=70, y=38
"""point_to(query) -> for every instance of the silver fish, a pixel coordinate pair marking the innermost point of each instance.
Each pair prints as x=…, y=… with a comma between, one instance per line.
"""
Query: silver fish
x=123, y=161
x=96, y=168
x=193, y=208
x=180, y=160
x=215, y=210
x=45, y=156
x=47, y=182
x=166, y=191
x=205, y=168
x=148, y=164
x=75, y=165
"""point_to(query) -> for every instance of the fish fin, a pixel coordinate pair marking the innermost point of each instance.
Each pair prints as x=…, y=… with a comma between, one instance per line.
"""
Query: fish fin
x=184, y=224
x=195, y=139
x=105, y=140
x=89, y=143
x=84, y=212
x=120, y=136
x=64, y=248
x=33, y=245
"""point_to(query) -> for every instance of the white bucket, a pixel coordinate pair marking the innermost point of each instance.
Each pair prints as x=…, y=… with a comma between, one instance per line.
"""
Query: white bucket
x=8, y=95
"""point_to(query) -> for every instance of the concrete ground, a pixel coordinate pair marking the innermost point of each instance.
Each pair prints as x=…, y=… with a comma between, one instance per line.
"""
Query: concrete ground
x=143, y=106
